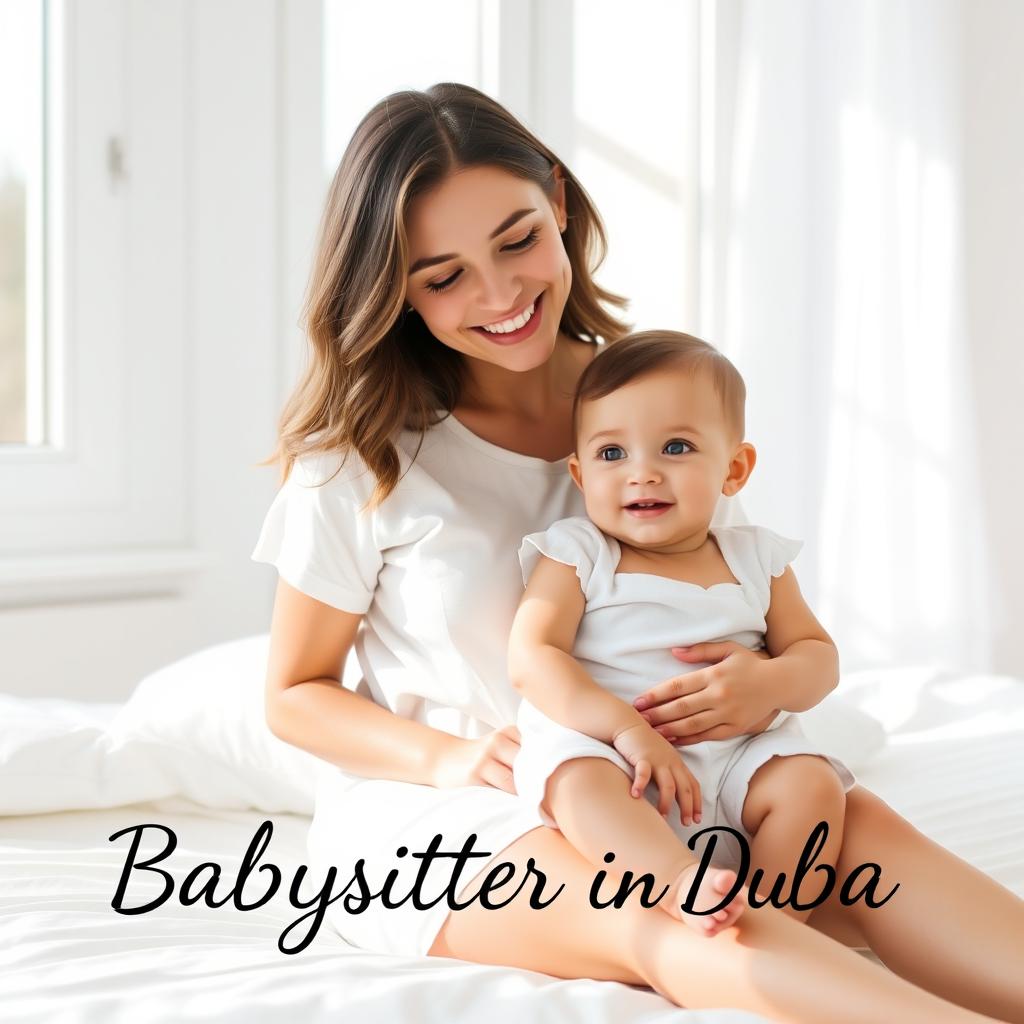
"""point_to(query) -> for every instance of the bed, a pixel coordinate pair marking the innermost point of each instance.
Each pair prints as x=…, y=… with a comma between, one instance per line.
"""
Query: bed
x=944, y=749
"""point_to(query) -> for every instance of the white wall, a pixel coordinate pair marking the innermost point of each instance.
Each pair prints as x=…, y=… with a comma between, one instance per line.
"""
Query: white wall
x=994, y=222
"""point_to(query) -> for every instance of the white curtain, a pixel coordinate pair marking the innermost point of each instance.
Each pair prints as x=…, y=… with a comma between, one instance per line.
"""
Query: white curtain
x=832, y=273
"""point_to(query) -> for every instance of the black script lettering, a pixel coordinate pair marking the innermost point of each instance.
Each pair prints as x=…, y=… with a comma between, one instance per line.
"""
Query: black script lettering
x=595, y=900
x=490, y=882
x=705, y=863
x=812, y=848
x=869, y=887
x=536, y=896
x=130, y=865
x=206, y=890
x=428, y=856
x=808, y=855
x=385, y=893
x=356, y=905
x=254, y=851
x=625, y=888
x=252, y=855
x=318, y=914
x=775, y=897
x=815, y=841
x=203, y=880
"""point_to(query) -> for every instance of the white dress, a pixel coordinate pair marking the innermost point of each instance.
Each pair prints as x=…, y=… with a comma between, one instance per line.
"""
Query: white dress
x=629, y=624
x=434, y=571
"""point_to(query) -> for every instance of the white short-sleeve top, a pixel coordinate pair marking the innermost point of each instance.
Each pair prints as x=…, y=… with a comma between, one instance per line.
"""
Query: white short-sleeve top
x=632, y=620
x=434, y=568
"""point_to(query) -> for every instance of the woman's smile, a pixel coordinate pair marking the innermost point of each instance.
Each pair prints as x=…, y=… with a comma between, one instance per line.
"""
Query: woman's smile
x=514, y=329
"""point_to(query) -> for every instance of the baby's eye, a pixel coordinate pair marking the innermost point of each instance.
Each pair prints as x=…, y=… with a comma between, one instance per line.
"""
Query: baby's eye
x=677, y=447
x=611, y=453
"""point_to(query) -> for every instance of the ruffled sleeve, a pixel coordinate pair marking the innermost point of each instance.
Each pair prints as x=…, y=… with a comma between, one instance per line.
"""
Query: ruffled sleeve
x=757, y=555
x=776, y=551
x=575, y=541
x=319, y=537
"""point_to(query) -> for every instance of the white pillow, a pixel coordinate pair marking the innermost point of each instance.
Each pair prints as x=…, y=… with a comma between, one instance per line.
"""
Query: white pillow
x=202, y=718
x=194, y=729
x=843, y=730
x=53, y=755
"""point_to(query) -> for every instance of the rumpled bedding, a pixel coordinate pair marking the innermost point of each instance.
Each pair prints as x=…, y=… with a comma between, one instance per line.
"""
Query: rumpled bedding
x=953, y=764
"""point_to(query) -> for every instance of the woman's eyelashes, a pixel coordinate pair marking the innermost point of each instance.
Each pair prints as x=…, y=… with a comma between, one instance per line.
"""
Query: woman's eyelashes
x=615, y=453
x=521, y=246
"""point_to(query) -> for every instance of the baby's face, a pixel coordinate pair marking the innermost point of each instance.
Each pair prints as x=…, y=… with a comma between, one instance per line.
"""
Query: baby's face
x=653, y=457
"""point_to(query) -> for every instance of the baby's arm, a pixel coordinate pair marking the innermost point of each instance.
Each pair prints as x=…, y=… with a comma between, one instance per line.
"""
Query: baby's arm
x=804, y=658
x=541, y=666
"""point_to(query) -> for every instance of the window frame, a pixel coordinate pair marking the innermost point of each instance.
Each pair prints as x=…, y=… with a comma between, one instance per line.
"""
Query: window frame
x=102, y=507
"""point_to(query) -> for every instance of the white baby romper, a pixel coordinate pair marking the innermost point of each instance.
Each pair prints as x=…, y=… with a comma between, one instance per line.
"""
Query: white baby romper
x=630, y=622
x=434, y=572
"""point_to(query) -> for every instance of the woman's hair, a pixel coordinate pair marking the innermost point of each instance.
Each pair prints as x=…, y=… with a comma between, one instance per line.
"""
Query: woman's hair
x=637, y=355
x=372, y=368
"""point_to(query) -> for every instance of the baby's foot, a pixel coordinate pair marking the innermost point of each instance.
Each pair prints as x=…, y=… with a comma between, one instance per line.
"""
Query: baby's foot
x=713, y=887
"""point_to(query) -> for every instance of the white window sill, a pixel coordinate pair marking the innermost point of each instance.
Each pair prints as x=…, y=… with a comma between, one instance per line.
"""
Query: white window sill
x=96, y=575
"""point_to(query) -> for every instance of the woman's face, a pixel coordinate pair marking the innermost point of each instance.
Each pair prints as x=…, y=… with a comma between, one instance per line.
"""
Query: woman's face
x=484, y=248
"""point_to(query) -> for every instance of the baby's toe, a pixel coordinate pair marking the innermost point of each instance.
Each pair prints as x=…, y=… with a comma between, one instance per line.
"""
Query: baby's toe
x=724, y=880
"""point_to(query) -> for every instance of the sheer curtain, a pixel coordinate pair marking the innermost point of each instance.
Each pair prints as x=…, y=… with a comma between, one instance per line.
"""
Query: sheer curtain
x=832, y=243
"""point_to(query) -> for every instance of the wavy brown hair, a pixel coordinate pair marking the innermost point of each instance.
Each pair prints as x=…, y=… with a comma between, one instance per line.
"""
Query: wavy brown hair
x=372, y=369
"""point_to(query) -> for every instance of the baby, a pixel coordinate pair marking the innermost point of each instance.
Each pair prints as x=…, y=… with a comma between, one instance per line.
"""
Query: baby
x=659, y=425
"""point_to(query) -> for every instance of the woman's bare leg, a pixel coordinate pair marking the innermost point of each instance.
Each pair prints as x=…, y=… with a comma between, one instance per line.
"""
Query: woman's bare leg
x=767, y=963
x=950, y=928
x=786, y=798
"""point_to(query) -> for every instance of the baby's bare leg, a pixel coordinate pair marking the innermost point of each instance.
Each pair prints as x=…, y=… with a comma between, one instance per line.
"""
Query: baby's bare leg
x=786, y=798
x=589, y=799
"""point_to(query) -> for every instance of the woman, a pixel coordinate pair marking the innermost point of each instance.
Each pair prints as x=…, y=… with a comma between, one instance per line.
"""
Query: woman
x=451, y=311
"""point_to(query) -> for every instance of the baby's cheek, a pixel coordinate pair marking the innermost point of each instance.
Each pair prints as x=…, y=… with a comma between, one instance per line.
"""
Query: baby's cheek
x=601, y=505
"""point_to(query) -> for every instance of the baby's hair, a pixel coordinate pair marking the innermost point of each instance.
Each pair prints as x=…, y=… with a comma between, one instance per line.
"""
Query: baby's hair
x=644, y=352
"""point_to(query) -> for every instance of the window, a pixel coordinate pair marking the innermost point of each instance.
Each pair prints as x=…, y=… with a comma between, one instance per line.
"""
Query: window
x=93, y=141
x=353, y=85
x=22, y=218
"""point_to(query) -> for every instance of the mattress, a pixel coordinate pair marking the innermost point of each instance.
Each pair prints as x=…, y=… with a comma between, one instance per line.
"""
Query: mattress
x=953, y=765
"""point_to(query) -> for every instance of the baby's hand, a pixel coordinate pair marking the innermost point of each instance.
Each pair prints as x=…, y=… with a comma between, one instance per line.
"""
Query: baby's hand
x=651, y=755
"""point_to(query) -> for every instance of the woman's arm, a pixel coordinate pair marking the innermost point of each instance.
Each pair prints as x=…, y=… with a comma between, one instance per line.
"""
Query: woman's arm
x=541, y=667
x=307, y=707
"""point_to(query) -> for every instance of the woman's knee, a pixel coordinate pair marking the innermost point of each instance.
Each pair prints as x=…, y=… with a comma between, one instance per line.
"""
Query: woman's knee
x=870, y=818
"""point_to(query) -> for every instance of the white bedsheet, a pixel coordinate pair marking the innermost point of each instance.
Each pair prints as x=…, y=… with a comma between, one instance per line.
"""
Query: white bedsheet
x=954, y=766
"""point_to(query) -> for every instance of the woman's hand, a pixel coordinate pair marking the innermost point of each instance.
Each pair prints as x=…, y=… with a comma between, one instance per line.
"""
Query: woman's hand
x=727, y=698
x=652, y=755
x=486, y=761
